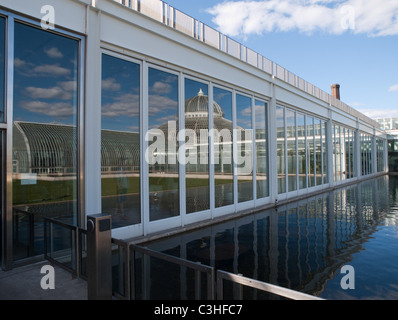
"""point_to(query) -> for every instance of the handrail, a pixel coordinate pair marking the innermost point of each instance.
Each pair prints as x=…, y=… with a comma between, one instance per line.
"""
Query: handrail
x=214, y=283
x=267, y=287
x=75, y=249
x=197, y=266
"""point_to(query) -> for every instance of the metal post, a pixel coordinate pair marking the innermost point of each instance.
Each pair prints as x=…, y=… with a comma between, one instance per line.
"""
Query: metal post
x=99, y=257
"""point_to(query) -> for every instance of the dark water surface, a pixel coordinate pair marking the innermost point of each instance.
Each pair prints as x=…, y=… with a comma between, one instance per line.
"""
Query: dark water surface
x=302, y=246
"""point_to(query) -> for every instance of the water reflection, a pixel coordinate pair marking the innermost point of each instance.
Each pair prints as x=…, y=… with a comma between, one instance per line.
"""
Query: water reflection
x=44, y=146
x=303, y=245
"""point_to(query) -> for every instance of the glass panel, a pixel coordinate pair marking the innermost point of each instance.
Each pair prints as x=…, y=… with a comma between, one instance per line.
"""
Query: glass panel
x=2, y=67
x=337, y=141
x=318, y=151
x=352, y=154
x=302, y=162
x=44, y=134
x=197, y=177
x=343, y=152
x=120, y=141
x=370, y=154
x=261, y=149
x=347, y=139
x=324, y=154
x=223, y=164
x=2, y=192
x=362, y=150
x=310, y=151
x=291, y=149
x=280, y=149
x=162, y=144
x=244, y=161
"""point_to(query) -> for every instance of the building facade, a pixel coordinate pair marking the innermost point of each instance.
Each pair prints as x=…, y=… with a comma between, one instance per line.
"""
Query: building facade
x=134, y=109
x=390, y=125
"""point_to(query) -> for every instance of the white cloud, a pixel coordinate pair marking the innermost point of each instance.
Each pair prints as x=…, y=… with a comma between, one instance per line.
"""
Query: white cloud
x=161, y=87
x=380, y=113
x=110, y=84
x=54, y=53
x=51, y=70
x=393, y=88
x=64, y=91
x=18, y=63
x=48, y=93
x=243, y=18
x=59, y=109
x=126, y=105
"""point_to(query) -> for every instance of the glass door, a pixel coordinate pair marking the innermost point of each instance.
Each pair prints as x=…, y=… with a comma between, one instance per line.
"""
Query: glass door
x=2, y=127
x=2, y=196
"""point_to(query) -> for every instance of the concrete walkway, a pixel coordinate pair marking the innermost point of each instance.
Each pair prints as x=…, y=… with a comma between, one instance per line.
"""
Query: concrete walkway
x=24, y=283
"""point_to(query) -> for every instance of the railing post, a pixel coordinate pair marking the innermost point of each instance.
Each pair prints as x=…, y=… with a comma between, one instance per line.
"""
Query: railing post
x=99, y=257
x=132, y=273
x=220, y=288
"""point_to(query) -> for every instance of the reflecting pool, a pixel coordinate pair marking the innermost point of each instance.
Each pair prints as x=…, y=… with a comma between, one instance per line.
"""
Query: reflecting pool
x=302, y=246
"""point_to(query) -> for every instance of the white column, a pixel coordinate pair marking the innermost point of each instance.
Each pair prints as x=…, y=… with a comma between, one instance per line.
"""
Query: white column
x=272, y=175
x=357, y=152
x=92, y=116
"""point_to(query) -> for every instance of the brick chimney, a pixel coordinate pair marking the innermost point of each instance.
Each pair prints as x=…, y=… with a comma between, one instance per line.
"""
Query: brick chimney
x=336, y=91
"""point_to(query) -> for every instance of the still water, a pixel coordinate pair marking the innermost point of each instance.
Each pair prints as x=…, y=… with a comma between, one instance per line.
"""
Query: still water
x=302, y=246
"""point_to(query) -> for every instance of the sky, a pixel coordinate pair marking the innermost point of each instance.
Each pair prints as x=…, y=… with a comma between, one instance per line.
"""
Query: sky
x=350, y=42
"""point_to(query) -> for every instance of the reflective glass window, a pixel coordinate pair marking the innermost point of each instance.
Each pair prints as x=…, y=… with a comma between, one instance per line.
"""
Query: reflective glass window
x=318, y=151
x=337, y=153
x=197, y=178
x=162, y=144
x=45, y=135
x=362, y=147
x=280, y=149
x=291, y=149
x=352, y=154
x=324, y=154
x=2, y=68
x=344, y=153
x=310, y=151
x=223, y=155
x=301, y=144
x=261, y=127
x=120, y=140
x=244, y=159
x=347, y=147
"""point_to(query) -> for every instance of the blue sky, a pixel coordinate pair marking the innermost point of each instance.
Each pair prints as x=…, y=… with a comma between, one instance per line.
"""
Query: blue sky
x=350, y=42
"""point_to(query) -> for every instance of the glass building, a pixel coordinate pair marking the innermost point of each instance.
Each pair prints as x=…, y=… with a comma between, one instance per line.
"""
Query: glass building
x=390, y=125
x=136, y=110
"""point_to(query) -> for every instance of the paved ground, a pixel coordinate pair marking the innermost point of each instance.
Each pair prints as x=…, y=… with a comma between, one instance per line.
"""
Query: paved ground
x=24, y=283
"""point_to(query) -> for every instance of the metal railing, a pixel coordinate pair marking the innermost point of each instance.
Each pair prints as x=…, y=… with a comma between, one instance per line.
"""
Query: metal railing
x=63, y=245
x=166, y=14
x=259, y=285
x=197, y=267
x=125, y=284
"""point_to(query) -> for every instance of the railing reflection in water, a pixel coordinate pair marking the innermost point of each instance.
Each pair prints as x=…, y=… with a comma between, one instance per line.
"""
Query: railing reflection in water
x=301, y=245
